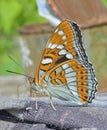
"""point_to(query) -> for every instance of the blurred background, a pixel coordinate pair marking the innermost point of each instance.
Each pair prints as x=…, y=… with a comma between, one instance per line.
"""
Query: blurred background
x=13, y=15
x=25, y=27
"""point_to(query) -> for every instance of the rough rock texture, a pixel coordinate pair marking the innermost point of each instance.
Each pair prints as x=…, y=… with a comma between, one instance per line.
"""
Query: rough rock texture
x=21, y=114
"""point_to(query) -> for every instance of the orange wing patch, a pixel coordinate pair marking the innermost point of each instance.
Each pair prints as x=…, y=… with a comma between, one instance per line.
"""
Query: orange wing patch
x=61, y=39
x=66, y=36
x=60, y=76
x=71, y=49
x=81, y=80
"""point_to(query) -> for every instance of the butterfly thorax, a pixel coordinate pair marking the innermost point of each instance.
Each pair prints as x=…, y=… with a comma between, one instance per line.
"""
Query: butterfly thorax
x=37, y=87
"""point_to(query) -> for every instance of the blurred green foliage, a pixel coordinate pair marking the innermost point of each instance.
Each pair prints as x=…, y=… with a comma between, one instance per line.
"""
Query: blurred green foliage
x=105, y=3
x=13, y=15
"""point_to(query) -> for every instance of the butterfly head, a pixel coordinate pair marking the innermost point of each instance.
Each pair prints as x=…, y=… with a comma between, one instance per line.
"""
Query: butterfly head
x=31, y=80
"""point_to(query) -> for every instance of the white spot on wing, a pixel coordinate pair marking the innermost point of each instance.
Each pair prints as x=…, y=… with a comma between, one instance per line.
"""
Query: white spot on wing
x=71, y=79
x=60, y=47
x=89, y=72
x=64, y=38
x=53, y=46
x=61, y=32
x=69, y=56
x=90, y=83
x=46, y=61
x=58, y=70
x=73, y=84
x=58, y=81
x=63, y=52
x=72, y=74
x=65, y=66
x=89, y=77
x=50, y=44
x=69, y=70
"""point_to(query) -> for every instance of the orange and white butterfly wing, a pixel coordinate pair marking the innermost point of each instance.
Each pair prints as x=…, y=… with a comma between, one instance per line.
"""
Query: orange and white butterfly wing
x=64, y=67
x=59, y=43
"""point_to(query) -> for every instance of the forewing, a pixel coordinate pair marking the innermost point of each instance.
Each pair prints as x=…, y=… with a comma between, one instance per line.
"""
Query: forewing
x=60, y=48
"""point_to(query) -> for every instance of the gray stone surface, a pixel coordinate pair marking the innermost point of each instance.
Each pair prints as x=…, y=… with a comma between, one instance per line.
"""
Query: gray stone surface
x=22, y=114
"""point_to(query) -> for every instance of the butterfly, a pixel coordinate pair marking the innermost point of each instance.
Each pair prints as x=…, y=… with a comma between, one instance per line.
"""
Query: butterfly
x=64, y=70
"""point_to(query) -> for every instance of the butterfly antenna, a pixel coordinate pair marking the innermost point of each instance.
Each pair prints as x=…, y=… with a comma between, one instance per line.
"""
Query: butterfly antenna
x=17, y=73
x=19, y=66
x=15, y=62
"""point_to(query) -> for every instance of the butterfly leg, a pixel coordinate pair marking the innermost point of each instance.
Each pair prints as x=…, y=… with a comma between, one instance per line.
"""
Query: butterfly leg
x=50, y=98
x=33, y=94
x=36, y=104
x=46, y=92
x=52, y=105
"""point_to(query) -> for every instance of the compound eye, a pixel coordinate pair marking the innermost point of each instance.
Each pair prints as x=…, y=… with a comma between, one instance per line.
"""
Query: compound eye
x=31, y=80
